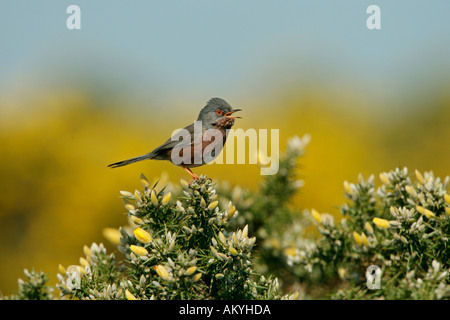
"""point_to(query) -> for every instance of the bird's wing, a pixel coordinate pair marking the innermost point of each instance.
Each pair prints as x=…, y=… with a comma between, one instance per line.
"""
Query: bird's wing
x=163, y=149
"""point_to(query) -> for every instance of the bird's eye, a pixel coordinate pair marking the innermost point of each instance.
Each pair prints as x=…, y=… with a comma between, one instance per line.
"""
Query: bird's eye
x=219, y=112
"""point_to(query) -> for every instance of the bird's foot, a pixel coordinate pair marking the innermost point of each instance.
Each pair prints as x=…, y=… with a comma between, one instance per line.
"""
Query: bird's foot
x=193, y=175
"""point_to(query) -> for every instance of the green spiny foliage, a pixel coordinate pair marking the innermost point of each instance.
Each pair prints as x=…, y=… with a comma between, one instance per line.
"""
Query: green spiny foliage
x=202, y=244
x=401, y=227
x=173, y=250
x=33, y=288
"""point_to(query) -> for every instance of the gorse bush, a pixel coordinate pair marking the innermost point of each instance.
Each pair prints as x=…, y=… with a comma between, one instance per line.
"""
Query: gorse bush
x=401, y=227
x=208, y=241
x=180, y=250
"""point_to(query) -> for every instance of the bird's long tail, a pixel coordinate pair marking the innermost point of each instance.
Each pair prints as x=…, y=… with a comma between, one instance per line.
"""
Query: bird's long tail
x=128, y=161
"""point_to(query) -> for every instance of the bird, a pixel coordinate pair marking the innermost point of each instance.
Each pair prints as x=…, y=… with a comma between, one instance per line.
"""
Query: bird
x=218, y=115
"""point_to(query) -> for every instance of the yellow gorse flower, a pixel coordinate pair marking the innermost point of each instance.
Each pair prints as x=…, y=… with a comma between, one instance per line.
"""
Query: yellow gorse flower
x=213, y=204
x=365, y=241
x=136, y=220
x=140, y=251
x=126, y=194
x=222, y=238
x=231, y=210
x=447, y=198
x=129, y=295
x=368, y=227
x=191, y=270
x=316, y=215
x=427, y=213
x=142, y=235
x=357, y=238
x=290, y=252
x=411, y=191
x=154, y=198
x=184, y=183
x=162, y=272
x=129, y=207
x=62, y=270
x=87, y=250
x=144, y=180
x=112, y=234
x=196, y=277
x=347, y=187
x=245, y=232
x=382, y=223
x=384, y=178
x=84, y=262
x=419, y=177
x=166, y=198
x=214, y=252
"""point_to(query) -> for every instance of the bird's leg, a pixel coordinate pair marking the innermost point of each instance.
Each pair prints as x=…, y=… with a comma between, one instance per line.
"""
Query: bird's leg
x=193, y=175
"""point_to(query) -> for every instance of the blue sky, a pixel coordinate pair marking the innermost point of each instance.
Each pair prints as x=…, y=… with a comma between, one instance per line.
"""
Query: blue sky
x=232, y=47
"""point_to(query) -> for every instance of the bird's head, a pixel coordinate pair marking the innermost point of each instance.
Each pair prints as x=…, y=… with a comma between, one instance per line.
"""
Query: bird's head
x=217, y=113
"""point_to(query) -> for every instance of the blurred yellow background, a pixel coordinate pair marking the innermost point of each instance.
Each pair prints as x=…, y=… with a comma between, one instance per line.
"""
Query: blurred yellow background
x=57, y=193
x=60, y=127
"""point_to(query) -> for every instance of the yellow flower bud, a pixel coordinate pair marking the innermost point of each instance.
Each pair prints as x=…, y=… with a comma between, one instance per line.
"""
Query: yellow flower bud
x=138, y=250
x=196, y=277
x=144, y=180
x=231, y=211
x=154, y=198
x=136, y=220
x=129, y=295
x=447, y=198
x=184, y=183
x=202, y=203
x=427, y=213
x=223, y=256
x=411, y=191
x=222, y=237
x=384, y=178
x=142, y=235
x=166, y=198
x=290, y=252
x=316, y=215
x=137, y=196
x=382, y=223
x=84, y=262
x=245, y=232
x=126, y=194
x=213, y=204
x=82, y=269
x=113, y=235
x=62, y=270
x=420, y=209
x=191, y=270
x=447, y=210
x=162, y=272
x=357, y=238
x=87, y=250
x=368, y=227
x=214, y=252
x=347, y=188
x=233, y=251
x=419, y=177
x=365, y=241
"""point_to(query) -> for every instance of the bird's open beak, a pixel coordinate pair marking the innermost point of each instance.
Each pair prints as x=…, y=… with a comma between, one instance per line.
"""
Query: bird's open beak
x=229, y=114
